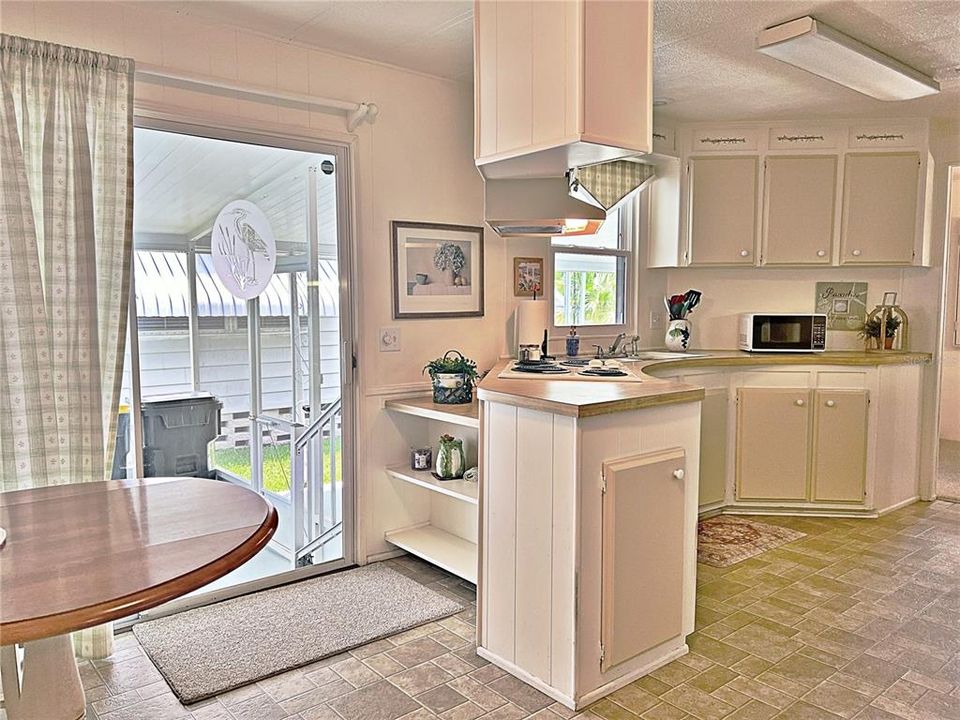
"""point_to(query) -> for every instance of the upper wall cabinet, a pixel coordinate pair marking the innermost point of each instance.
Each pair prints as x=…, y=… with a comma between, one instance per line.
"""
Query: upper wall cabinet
x=799, y=203
x=880, y=208
x=799, y=195
x=560, y=84
x=722, y=210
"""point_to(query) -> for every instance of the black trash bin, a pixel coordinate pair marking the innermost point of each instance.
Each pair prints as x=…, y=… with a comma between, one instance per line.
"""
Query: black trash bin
x=176, y=432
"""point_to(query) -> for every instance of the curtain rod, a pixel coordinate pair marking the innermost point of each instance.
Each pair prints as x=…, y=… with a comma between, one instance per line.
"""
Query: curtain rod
x=356, y=113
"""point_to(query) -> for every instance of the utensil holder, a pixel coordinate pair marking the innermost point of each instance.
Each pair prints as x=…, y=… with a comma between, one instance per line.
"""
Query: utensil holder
x=677, y=338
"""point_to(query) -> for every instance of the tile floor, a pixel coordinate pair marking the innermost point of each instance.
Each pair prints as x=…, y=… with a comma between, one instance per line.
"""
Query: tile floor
x=859, y=619
x=948, y=472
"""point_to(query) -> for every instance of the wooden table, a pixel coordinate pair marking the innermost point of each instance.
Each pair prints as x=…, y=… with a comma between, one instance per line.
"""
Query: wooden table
x=80, y=555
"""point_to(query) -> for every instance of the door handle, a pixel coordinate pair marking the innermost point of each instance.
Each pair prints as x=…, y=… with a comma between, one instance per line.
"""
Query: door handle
x=821, y=253
x=679, y=474
x=799, y=403
x=831, y=403
x=744, y=253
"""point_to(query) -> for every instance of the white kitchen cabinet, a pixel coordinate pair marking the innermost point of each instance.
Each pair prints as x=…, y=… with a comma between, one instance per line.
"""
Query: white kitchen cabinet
x=643, y=508
x=799, y=209
x=713, y=447
x=839, y=460
x=881, y=208
x=773, y=443
x=560, y=84
x=722, y=210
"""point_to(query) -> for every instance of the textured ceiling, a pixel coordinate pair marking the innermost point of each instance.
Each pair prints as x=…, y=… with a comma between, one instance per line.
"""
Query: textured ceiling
x=431, y=36
x=704, y=57
x=705, y=62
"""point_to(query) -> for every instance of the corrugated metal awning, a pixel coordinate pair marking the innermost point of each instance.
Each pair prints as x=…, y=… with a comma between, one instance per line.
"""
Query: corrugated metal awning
x=162, y=289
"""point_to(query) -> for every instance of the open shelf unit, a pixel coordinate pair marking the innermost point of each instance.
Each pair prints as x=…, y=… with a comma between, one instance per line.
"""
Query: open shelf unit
x=445, y=550
x=442, y=516
x=460, y=489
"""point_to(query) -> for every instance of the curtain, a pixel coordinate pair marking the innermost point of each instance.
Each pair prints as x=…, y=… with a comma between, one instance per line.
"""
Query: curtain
x=66, y=230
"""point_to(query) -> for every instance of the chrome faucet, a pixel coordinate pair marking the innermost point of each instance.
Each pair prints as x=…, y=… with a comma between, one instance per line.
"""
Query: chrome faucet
x=615, y=346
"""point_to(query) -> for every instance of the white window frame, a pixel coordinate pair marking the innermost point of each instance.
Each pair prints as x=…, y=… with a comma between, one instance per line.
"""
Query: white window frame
x=627, y=222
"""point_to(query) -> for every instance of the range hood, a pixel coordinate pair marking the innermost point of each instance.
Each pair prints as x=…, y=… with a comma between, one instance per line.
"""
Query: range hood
x=575, y=204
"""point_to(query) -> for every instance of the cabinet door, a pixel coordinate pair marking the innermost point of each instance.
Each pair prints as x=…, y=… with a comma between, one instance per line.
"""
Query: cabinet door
x=799, y=209
x=722, y=210
x=880, y=196
x=773, y=430
x=643, y=532
x=713, y=447
x=839, y=445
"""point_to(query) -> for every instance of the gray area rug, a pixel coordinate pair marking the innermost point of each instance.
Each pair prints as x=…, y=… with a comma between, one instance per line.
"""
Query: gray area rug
x=212, y=649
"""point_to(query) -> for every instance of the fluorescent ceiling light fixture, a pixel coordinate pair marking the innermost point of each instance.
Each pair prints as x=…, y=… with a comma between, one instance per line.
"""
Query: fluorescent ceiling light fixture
x=819, y=49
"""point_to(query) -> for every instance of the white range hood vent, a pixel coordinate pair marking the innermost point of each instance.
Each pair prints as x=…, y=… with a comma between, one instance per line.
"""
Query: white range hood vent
x=575, y=204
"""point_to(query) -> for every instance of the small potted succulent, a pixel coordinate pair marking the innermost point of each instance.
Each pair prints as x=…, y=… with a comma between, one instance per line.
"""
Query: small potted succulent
x=873, y=327
x=453, y=378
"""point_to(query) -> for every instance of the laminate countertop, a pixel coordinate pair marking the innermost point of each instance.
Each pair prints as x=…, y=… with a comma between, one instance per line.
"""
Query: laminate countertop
x=586, y=398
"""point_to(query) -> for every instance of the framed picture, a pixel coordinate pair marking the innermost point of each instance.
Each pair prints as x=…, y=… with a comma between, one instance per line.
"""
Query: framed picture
x=437, y=270
x=527, y=276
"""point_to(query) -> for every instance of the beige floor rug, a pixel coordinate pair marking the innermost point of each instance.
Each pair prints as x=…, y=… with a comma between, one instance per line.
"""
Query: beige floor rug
x=724, y=540
x=212, y=649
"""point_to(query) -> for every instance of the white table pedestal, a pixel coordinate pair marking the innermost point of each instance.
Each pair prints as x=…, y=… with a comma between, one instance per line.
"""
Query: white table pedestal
x=49, y=686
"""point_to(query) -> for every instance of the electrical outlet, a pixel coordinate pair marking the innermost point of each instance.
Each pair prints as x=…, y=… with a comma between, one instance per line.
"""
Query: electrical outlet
x=656, y=320
x=390, y=339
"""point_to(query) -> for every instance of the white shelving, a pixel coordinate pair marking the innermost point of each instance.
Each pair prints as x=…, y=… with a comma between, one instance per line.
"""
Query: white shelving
x=467, y=415
x=438, y=519
x=459, y=489
x=445, y=550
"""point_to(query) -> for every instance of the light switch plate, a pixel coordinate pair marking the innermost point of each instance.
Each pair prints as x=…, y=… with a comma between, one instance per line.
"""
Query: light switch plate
x=656, y=320
x=390, y=339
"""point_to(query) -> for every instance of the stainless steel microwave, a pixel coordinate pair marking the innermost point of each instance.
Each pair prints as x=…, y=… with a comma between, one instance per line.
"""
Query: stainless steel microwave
x=783, y=332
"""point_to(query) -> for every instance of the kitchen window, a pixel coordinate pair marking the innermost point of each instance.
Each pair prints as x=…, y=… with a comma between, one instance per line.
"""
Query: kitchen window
x=590, y=275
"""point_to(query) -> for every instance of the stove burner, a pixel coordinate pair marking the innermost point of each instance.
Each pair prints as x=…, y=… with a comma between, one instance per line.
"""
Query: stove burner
x=603, y=372
x=541, y=369
x=575, y=362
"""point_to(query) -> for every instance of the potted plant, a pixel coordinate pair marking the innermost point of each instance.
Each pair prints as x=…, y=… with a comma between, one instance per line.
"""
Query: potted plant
x=450, y=260
x=453, y=377
x=873, y=327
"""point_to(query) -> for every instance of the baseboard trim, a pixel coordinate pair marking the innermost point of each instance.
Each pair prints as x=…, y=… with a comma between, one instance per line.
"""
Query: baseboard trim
x=529, y=679
x=385, y=555
x=800, y=512
x=575, y=703
x=897, y=506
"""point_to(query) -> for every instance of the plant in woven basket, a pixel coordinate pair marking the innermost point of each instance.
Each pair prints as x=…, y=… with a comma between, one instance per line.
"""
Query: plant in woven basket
x=453, y=377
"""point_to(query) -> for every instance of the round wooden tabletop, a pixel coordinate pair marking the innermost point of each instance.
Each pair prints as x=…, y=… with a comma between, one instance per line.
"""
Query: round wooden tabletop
x=80, y=555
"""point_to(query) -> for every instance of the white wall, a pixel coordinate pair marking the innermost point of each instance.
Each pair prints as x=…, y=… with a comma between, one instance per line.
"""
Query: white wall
x=950, y=379
x=415, y=163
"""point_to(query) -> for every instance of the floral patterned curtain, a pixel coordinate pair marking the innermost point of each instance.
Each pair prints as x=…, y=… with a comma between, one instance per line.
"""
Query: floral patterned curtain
x=66, y=229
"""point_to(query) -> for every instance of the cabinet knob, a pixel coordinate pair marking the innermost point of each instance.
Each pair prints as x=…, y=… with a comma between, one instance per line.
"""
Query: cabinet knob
x=831, y=403
x=799, y=403
x=744, y=253
x=679, y=474
x=821, y=253
x=856, y=253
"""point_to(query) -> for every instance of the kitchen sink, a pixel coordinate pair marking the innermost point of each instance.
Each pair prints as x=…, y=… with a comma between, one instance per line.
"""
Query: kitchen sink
x=660, y=355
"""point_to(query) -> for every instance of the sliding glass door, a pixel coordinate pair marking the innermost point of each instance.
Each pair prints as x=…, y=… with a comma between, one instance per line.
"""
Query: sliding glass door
x=244, y=330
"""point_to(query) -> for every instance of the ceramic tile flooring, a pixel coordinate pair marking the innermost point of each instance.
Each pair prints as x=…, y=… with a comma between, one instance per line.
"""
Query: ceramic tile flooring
x=859, y=619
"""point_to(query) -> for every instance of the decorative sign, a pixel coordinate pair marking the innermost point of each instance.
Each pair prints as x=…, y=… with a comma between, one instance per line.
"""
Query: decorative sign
x=844, y=303
x=243, y=248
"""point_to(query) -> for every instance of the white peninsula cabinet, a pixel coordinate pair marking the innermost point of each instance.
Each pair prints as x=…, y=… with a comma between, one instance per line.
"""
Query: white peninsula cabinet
x=588, y=532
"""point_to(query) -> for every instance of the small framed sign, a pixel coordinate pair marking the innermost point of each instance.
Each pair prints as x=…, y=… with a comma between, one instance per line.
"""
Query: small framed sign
x=527, y=276
x=844, y=303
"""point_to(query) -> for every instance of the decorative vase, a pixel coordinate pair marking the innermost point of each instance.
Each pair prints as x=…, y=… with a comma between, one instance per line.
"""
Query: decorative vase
x=449, y=276
x=450, y=460
x=677, y=338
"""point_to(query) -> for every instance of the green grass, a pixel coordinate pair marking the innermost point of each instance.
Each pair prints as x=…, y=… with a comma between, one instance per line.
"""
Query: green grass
x=276, y=464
